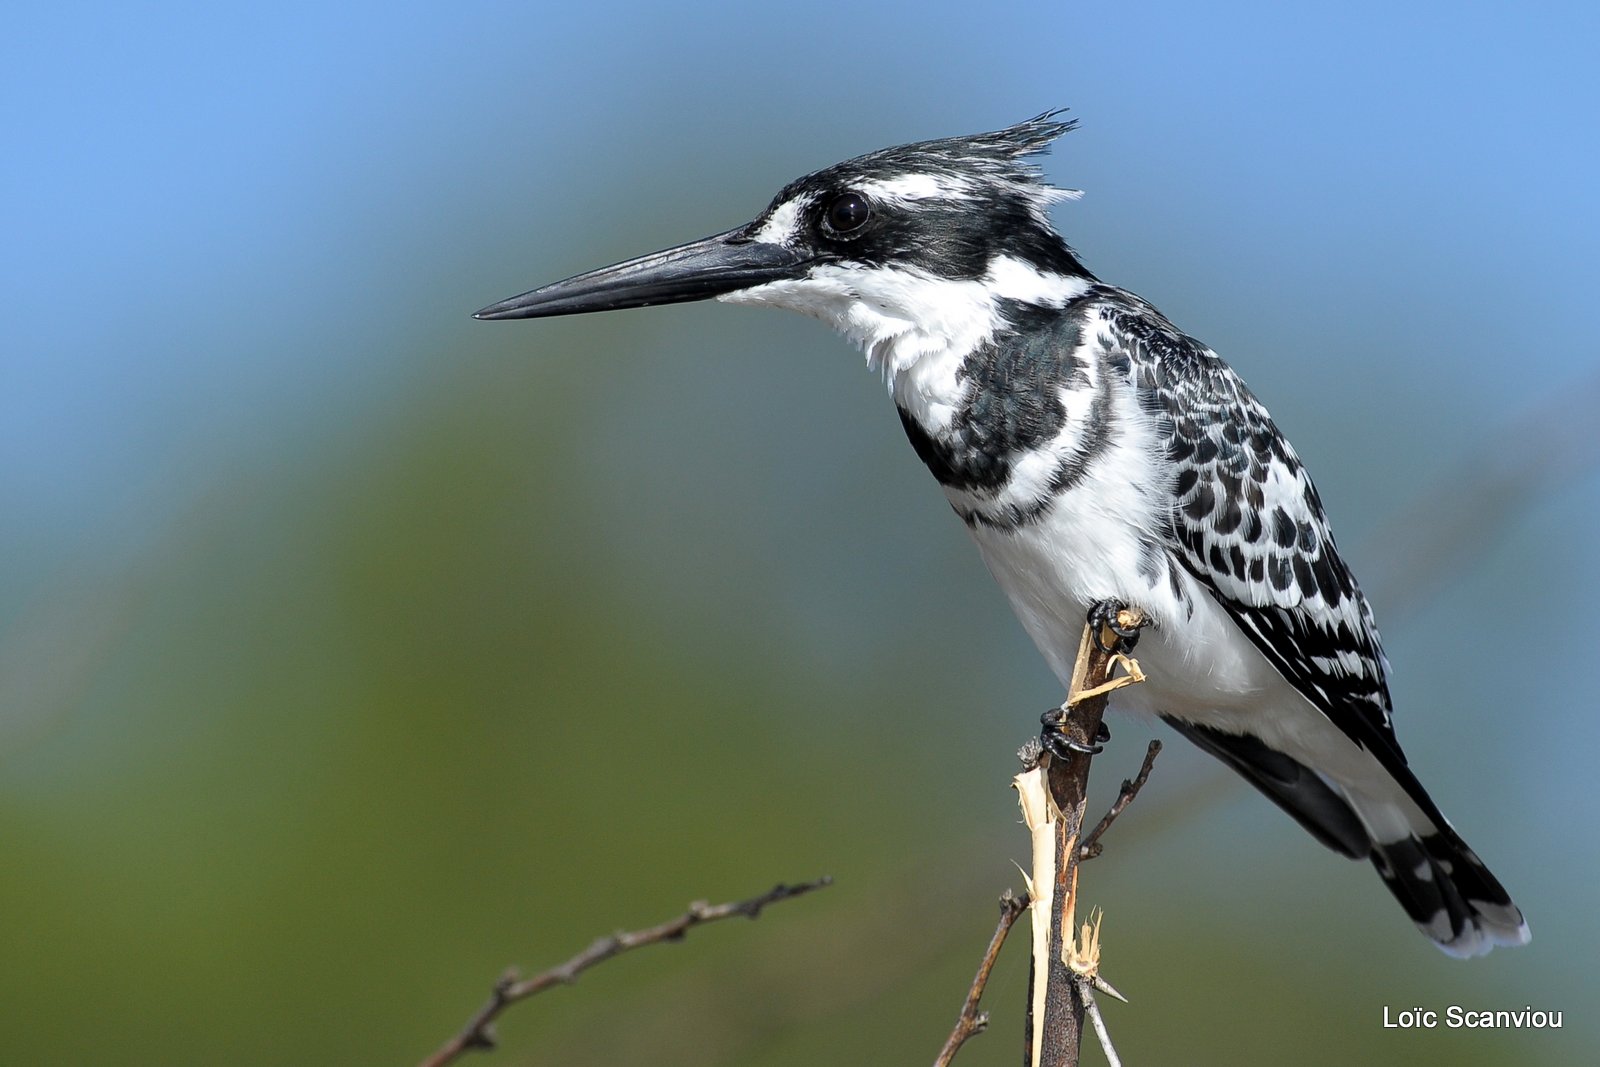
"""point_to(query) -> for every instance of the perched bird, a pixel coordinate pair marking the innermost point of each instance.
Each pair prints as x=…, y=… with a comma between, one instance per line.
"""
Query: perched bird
x=1099, y=455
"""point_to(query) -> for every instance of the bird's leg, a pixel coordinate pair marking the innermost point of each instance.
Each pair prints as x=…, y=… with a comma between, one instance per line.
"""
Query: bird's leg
x=1105, y=615
x=1059, y=743
x=1114, y=630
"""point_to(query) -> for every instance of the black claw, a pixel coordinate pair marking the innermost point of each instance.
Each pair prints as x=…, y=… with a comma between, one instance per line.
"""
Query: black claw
x=1103, y=734
x=1053, y=736
x=1102, y=617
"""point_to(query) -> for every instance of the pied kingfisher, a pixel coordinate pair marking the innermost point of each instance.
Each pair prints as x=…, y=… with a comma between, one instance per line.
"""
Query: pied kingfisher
x=1098, y=454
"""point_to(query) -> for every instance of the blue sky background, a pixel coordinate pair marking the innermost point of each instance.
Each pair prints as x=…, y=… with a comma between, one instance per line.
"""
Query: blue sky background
x=199, y=198
x=242, y=243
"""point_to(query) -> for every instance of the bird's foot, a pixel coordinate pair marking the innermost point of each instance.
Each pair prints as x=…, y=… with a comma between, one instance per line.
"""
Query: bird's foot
x=1113, y=616
x=1059, y=743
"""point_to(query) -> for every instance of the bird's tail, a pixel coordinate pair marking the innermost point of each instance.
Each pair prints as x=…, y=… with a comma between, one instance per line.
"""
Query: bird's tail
x=1441, y=883
x=1448, y=892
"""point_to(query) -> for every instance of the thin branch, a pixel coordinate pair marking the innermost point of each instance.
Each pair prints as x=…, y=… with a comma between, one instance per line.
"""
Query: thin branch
x=1091, y=842
x=479, y=1031
x=973, y=1021
x=1057, y=1007
x=1086, y=990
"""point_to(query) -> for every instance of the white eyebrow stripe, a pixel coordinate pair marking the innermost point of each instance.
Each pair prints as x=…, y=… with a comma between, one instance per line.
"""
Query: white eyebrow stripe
x=910, y=187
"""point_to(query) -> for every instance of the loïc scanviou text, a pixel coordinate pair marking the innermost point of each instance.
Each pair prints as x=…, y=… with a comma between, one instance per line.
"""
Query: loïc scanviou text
x=1456, y=1017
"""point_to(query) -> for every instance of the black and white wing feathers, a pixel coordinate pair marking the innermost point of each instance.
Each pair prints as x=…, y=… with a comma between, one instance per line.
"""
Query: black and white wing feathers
x=1248, y=524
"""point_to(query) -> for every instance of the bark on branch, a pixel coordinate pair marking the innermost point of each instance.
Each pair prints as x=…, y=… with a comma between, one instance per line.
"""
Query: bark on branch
x=972, y=1021
x=479, y=1031
x=1054, y=797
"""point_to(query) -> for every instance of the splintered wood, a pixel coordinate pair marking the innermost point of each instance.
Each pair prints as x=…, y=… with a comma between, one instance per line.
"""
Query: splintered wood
x=1052, y=796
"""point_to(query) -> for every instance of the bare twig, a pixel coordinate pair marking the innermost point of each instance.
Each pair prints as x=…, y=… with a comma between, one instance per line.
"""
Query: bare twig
x=1086, y=991
x=1057, y=1007
x=479, y=1031
x=973, y=1021
x=1130, y=789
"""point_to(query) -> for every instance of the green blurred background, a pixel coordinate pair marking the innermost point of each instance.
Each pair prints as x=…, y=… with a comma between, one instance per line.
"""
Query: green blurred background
x=351, y=650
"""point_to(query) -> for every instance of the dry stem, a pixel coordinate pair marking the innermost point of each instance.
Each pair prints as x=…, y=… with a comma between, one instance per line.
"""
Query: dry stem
x=479, y=1031
x=1061, y=972
x=972, y=1021
x=1130, y=789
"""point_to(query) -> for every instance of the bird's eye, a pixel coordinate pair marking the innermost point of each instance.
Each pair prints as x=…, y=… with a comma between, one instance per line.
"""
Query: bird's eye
x=847, y=214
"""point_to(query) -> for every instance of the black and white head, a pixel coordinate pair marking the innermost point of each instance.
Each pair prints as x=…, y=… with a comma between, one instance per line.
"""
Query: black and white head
x=903, y=250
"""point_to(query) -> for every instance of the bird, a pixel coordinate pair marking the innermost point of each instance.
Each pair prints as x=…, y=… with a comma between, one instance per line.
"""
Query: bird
x=1098, y=456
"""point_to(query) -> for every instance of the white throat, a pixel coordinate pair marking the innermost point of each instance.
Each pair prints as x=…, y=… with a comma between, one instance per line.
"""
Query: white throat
x=914, y=328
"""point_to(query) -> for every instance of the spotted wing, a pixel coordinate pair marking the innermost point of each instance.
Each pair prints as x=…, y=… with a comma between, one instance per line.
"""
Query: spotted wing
x=1248, y=523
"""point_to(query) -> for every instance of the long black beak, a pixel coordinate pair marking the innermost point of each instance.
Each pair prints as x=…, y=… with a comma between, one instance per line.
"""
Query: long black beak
x=694, y=271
